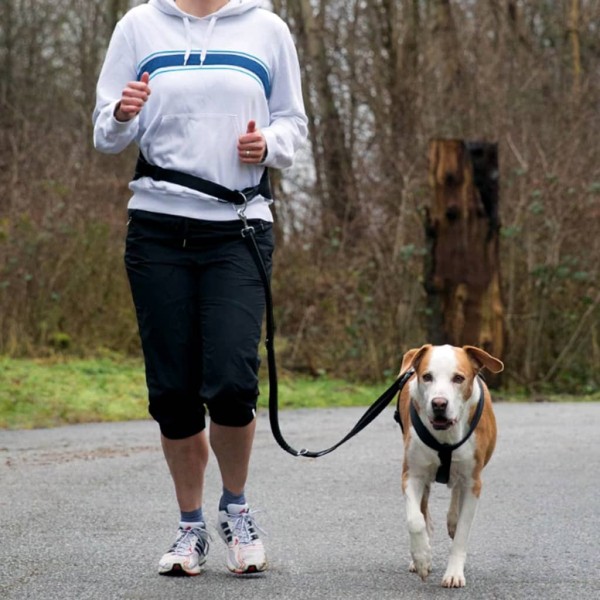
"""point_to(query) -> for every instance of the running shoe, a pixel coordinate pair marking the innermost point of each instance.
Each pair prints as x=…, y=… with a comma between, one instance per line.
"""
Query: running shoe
x=245, y=550
x=188, y=552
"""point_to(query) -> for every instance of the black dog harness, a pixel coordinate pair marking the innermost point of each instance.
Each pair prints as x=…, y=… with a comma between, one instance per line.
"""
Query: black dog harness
x=444, y=450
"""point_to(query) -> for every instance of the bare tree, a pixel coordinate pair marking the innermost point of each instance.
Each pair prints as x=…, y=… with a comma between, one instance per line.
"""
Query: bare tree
x=336, y=185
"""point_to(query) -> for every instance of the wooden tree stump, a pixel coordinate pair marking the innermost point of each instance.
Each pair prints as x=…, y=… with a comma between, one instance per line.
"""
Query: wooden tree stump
x=462, y=271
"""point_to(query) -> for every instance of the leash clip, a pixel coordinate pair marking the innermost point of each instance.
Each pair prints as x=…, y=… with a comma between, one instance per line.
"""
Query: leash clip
x=241, y=213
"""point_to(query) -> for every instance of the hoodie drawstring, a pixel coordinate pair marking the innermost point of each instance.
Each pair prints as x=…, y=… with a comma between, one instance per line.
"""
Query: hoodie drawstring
x=207, y=37
x=188, y=40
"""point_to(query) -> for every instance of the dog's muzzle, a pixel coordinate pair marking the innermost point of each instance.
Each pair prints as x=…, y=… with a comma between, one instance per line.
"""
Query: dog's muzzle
x=440, y=421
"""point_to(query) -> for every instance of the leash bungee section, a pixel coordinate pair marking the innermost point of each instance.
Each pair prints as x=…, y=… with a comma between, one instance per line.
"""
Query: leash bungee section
x=240, y=199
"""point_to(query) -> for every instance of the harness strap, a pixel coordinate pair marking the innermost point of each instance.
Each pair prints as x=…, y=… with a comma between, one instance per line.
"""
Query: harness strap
x=238, y=197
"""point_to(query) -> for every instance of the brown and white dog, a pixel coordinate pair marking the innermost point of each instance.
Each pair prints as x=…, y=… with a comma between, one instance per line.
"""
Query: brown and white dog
x=445, y=392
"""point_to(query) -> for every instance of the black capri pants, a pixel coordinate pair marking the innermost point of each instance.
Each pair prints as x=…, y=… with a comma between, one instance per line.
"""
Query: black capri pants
x=200, y=303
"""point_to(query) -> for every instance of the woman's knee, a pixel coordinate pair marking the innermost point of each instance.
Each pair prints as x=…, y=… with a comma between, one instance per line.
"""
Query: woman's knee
x=178, y=415
x=237, y=410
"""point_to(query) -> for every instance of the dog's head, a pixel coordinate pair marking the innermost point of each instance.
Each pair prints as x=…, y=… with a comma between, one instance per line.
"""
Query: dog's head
x=445, y=380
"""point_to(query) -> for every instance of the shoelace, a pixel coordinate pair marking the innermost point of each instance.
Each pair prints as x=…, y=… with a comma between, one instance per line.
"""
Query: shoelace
x=183, y=542
x=245, y=527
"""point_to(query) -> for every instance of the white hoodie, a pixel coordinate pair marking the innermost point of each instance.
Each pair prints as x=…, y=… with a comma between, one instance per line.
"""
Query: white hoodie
x=209, y=77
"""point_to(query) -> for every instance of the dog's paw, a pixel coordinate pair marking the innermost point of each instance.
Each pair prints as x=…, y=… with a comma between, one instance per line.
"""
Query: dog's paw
x=454, y=579
x=421, y=566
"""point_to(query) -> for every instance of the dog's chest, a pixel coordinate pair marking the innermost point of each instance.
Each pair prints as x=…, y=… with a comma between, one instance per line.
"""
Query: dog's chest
x=424, y=462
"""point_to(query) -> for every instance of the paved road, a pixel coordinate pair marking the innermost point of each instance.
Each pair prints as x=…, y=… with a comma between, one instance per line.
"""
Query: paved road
x=86, y=511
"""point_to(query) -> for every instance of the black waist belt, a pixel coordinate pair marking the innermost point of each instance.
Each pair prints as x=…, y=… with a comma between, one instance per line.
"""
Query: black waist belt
x=144, y=169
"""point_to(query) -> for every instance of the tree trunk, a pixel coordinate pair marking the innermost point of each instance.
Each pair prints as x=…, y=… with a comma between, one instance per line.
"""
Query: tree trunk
x=575, y=47
x=116, y=9
x=394, y=100
x=448, y=49
x=462, y=277
x=336, y=182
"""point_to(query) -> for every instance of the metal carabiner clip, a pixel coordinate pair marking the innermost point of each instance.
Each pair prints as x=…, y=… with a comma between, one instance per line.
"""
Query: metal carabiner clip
x=241, y=213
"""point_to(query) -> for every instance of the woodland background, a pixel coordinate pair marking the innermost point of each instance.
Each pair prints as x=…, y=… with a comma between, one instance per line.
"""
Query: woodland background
x=381, y=78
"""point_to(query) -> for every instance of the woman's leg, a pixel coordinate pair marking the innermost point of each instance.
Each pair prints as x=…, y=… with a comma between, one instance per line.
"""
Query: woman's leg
x=163, y=285
x=232, y=300
x=232, y=447
x=187, y=460
x=232, y=308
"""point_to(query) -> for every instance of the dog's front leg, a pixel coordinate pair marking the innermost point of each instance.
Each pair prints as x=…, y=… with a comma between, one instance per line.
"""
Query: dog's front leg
x=454, y=576
x=452, y=517
x=420, y=549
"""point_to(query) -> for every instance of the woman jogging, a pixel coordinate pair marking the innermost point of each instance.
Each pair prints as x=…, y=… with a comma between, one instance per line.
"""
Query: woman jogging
x=210, y=92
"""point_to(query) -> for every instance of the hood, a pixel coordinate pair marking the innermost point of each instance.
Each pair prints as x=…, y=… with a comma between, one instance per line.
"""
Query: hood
x=233, y=7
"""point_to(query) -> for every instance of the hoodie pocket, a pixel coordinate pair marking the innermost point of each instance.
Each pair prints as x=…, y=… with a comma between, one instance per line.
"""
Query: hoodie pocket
x=204, y=145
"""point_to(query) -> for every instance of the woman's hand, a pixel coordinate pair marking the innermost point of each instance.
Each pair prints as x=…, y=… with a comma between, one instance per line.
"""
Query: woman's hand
x=133, y=98
x=252, y=146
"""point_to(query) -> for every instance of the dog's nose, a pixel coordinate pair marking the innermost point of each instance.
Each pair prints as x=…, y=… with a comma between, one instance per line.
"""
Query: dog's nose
x=439, y=405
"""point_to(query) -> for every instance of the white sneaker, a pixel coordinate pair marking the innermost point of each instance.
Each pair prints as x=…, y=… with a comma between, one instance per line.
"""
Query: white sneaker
x=245, y=550
x=188, y=552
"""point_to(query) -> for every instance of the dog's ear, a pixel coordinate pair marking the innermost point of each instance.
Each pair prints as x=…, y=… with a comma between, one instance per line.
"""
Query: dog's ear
x=413, y=357
x=482, y=359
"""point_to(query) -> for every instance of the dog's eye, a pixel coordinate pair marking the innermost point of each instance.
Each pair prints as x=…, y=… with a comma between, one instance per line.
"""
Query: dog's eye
x=427, y=377
x=458, y=379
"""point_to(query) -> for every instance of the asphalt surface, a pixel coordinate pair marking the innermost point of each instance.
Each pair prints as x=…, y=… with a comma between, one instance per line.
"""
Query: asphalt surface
x=86, y=512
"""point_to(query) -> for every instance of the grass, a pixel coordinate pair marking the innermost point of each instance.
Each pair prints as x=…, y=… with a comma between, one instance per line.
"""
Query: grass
x=53, y=392
x=49, y=393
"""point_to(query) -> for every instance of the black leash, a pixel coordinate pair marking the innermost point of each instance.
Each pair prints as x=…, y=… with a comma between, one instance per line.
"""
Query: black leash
x=444, y=450
x=370, y=414
x=240, y=198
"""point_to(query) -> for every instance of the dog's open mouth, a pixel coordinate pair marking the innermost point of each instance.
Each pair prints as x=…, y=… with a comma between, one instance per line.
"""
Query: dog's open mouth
x=441, y=423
